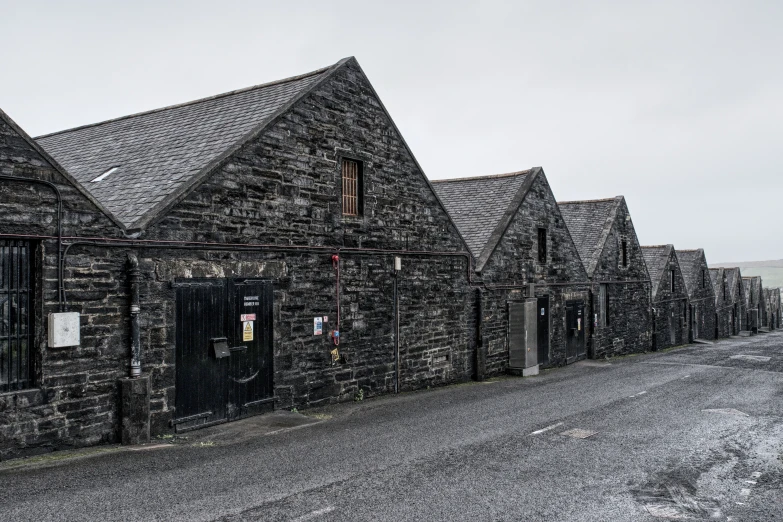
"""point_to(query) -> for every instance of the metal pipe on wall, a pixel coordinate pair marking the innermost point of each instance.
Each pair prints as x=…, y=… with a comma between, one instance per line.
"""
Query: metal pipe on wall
x=135, y=309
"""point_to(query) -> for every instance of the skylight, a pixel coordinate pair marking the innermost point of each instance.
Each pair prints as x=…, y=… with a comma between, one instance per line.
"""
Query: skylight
x=106, y=174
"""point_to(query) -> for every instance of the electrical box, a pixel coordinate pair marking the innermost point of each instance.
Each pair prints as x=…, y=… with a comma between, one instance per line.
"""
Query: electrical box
x=64, y=329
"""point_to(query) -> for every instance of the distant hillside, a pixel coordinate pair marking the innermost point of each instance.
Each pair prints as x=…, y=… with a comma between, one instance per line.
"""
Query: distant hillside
x=771, y=272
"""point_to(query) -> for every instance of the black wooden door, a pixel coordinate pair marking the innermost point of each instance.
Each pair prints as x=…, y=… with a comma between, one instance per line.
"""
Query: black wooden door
x=223, y=350
x=542, y=315
x=250, y=341
x=200, y=387
x=575, y=330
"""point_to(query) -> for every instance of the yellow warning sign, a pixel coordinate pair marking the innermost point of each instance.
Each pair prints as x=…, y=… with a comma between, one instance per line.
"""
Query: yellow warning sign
x=247, y=331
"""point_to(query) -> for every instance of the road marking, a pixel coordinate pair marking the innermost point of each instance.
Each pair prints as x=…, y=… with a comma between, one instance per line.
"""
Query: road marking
x=579, y=433
x=757, y=358
x=750, y=482
x=313, y=514
x=553, y=426
x=727, y=411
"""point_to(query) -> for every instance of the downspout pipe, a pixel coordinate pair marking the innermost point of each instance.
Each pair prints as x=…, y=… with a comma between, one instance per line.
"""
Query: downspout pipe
x=135, y=309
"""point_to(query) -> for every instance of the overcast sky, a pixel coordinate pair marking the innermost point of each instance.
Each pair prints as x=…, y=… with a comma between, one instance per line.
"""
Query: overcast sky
x=678, y=105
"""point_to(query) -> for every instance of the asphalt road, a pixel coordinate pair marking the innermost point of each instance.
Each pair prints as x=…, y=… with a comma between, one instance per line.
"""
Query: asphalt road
x=694, y=433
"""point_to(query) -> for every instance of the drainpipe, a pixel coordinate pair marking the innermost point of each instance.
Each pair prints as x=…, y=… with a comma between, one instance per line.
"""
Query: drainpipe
x=397, y=268
x=135, y=309
x=479, y=334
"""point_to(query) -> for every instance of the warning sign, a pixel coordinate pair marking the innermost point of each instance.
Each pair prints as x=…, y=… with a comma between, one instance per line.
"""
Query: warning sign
x=247, y=317
x=318, y=326
x=247, y=331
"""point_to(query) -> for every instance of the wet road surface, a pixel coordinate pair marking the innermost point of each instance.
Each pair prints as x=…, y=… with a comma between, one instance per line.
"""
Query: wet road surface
x=694, y=433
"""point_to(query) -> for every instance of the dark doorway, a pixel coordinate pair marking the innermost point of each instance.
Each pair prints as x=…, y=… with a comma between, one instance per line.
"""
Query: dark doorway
x=542, y=320
x=223, y=350
x=575, y=330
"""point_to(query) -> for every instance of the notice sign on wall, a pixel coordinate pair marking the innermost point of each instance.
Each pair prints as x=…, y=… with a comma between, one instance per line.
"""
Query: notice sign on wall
x=247, y=330
x=318, y=326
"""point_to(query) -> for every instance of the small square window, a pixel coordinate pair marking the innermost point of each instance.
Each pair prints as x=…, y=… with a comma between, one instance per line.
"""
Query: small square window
x=353, y=197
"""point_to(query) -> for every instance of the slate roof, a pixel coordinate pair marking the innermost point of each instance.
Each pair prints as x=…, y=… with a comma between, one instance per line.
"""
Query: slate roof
x=161, y=153
x=656, y=257
x=481, y=207
x=690, y=264
x=733, y=276
x=589, y=223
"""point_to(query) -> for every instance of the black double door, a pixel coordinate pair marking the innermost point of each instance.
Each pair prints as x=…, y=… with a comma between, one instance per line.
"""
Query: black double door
x=224, y=360
x=575, y=330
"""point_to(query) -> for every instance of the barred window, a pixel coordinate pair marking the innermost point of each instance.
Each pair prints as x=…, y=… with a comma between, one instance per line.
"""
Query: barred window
x=352, y=187
x=16, y=336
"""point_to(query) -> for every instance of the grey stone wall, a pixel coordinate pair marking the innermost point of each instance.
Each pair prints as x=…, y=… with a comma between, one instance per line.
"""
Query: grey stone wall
x=284, y=188
x=629, y=328
x=671, y=324
x=515, y=262
x=74, y=399
x=702, y=301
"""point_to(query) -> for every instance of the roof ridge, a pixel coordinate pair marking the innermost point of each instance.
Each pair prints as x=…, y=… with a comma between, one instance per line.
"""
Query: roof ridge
x=657, y=246
x=489, y=176
x=191, y=102
x=603, y=200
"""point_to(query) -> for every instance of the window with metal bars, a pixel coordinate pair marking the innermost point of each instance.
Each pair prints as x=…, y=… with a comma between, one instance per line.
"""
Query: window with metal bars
x=16, y=335
x=352, y=187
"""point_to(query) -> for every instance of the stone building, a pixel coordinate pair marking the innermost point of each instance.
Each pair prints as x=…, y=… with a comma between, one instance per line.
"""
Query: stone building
x=729, y=300
x=669, y=296
x=620, y=284
x=275, y=246
x=701, y=294
x=533, y=284
x=754, y=303
x=773, y=307
x=55, y=396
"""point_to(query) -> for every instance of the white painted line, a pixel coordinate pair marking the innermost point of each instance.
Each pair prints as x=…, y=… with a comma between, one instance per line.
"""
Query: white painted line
x=313, y=514
x=579, y=433
x=750, y=482
x=641, y=393
x=553, y=426
x=745, y=492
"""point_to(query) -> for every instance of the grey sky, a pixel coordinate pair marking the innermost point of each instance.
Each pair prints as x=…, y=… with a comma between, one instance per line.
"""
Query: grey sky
x=676, y=105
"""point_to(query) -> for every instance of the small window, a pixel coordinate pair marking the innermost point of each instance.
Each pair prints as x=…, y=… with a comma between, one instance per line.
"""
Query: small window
x=671, y=280
x=603, y=298
x=725, y=291
x=352, y=188
x=703, y=278
x=542, y=245
x=625, y=253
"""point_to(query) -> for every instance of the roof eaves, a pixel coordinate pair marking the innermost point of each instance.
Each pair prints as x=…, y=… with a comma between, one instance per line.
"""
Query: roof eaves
x=156, y=212
x=505, y=220
x=60, y=169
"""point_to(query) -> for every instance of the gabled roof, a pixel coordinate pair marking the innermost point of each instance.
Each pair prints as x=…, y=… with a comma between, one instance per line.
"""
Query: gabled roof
x=482, y=207
x=590, y=223
x=716, y=277
x=734, y=278
x=161, y=154
x=656, y=257
x=691, y=265
x=55, y=165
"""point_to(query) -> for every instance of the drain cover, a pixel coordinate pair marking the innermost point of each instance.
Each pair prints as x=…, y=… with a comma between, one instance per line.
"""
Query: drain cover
x=579, y=433
x=727, y=411
x=746, y=357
